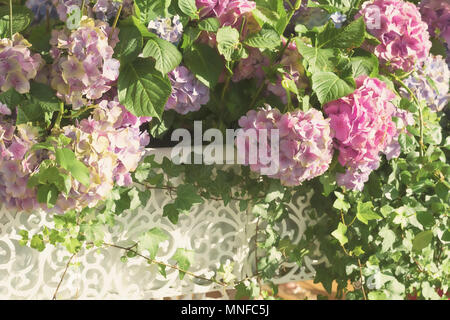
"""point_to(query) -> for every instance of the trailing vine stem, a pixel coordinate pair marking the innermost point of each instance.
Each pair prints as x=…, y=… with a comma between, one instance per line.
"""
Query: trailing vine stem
x=362, y=280
x=416, y=101
x=63, y=275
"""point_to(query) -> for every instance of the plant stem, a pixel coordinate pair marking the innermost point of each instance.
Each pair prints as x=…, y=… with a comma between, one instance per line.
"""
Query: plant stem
x=63, y=275
x=116, y=19
x=10, y=19
x=60, y=115
x=165, y=264
x=362, y=280
x=80, y=112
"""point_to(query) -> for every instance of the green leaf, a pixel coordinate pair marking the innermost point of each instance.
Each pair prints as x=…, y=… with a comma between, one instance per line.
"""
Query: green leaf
x=364, y=212
x=47, y=194
x=189, y=8
x=339, y=233
x=266, y=38
x=44, y=96
x=329, y=87
x=364, y=66
x=184, y=259
x=166, y=55
x=37, y=242
x=129, y=46
x=351, y=36
x=151, y=240
x=187, y=197
x=22, y=17
x=67, y=159
x=171, y=211
x=29, y=111
x=376, y=295
x=388, y=239
x=11, y=98
x=276, y=191
x=422, y=240
x=315, y=59
x=205, y=63
x=227, y=41
x=150, y=9
x=143, y=90
x=209, y=24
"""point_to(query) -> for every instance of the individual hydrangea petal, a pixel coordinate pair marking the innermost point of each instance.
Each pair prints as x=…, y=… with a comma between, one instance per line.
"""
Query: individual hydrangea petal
x=188, y=93
x=431, y=83
x=362, y=127
x=399, y=27
x=17, y=65
x=305, y=145
x=83, y=67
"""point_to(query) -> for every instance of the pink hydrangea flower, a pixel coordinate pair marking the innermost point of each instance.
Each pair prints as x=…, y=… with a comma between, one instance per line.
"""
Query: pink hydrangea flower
x=399, y=27
x=362, y=124
x=305, y=145
x=83, y=68
x=17, y=164
x=17, y=65
x=436, y=13
x=251, y=67
x=229, y=12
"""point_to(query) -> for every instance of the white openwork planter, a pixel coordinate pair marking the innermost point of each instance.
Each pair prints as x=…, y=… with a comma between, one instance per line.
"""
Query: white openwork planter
x=215, y=232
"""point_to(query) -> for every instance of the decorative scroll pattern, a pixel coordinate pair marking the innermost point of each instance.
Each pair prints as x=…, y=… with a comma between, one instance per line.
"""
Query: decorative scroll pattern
x=215, y=232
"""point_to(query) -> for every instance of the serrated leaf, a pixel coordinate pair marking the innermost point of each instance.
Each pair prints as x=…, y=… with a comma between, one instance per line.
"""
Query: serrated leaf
x=266, y=38
x=129, y=46
x=329, y=87
x=143, y=90
x=189, y=8
x=205, y=63
x=22, y=17
x=44, y=96
x=351, y=36
x=209, y=24
x=166, y=55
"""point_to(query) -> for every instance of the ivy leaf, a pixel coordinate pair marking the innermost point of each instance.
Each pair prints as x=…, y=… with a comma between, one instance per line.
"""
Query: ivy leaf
x=187, y=197
x=329, y=87
x=276, y=191
x=422, y=240
x=184, y=259
x=364, y=212
x=37, y=242
x=22, y=17
x=166, y=55
x=151, y=240
x=189, y=8
x=339, y=233
x=143, y=90
x=266, y=38
x=205, y=63
x=388, y=239
x=130, y=44
x=66, y=158
x=171, y=211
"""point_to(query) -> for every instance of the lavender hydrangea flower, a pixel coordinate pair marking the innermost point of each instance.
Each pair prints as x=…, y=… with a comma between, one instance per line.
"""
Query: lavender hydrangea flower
x=102, y=10
x=17, y=65
x=306, y=146
x=167, y=29
x=42, y=9
x=431, y=83
x=338, y=19
x=83, y=67
x=188, y=94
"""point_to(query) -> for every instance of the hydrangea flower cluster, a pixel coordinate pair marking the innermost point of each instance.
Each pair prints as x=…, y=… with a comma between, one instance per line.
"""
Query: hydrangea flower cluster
x=102, y=10
x=16, y=165
x=83, y=66
x=306, y=145
x=111, y=145
x=398, y=25
x=167, y=29
x=294, y=70
x=362, y=128
x=436, y=13
x=188, y=94
x=229, y=12
x=42, y=8
x=17, y=65
x=434, y=92
x=251, y=67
